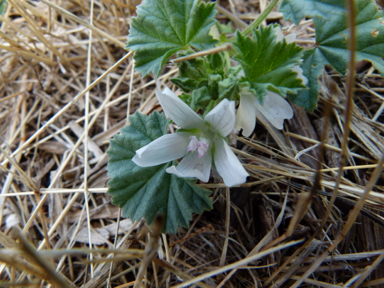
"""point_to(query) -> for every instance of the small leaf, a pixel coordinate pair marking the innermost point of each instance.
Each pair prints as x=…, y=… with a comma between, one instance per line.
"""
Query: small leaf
x=205, y=79
x=268, y=64
x=229, y=88
x=213, y=85
x=163, y=27
x=217, y=62
x=186, y=84
x=296, y=10
x=332, y=40
x=144, y=192
x=199, y=99
x=193, y=73
x=194, y=68
x=311, y=69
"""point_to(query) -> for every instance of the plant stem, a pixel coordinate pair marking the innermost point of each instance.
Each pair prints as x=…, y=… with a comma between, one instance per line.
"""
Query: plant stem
x=261, y=18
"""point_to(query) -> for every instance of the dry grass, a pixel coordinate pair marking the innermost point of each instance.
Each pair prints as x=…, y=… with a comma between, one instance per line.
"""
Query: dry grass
x=67, y=86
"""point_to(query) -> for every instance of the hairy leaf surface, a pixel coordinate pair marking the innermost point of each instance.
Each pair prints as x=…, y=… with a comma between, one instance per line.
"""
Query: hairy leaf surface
x=268, y=63
x=331, y=47
x=144, y=192
x=296, y=10
x=163, y=27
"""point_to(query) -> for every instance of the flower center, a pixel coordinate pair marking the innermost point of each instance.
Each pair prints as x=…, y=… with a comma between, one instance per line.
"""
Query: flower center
x=200, y=145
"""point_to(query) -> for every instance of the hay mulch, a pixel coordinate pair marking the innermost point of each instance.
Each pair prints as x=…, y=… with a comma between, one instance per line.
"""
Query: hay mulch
x=67, y=86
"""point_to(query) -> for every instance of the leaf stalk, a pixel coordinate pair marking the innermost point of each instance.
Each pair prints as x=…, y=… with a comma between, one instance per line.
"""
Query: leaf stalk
x=261, y=18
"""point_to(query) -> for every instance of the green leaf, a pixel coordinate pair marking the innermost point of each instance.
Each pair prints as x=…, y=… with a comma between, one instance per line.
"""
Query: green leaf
x=216, y=62
x=229, y=88
x=206, y=79
x=296, y=10
x=199, y=99
x=144, y=192
x=268, y=64
x=163, y=27
x=213, y=85
x=308, y=98
x=186, y=84
x=203, y=92
x=331, y=48
x=195, y=68
x=193, y=73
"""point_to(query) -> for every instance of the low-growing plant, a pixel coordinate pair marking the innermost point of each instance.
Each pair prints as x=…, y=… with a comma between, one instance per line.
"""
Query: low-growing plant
x=257, y=70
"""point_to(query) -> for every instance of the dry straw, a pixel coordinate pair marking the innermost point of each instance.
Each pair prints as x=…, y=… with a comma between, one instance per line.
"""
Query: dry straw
x=311, y=213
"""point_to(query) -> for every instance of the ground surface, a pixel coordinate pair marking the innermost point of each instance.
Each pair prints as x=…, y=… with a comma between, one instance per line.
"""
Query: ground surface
x=55, y=212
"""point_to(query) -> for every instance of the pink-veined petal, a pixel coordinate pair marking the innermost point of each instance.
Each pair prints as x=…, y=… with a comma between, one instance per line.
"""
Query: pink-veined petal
x=178, y=111
x=276, y=109
x=193, y=166
x=162, y=150
x=192, y=146
x=202, y=147
x=246, y=114
x=222, y=118
x=228, y=165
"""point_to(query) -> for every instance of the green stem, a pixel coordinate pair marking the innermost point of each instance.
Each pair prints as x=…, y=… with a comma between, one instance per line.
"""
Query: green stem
x=261, y=18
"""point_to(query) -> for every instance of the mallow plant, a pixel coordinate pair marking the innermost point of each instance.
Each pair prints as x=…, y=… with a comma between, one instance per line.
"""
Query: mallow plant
x=200, y=142
x=225, y=78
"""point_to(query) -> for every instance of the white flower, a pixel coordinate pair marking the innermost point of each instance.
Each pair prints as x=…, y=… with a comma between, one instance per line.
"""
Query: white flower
x=290, y=38
x=199, y=142
x=274, y=107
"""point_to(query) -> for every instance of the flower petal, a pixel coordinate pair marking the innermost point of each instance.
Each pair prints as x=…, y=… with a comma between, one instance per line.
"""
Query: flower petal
x=300, y=75
x=228, y=165
x=164, y=149
x=246, y=114
x=178, y=111
x=193, y=166
x=290, y=38
x=279, y=34
x=275, y=108
x=222, y=118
